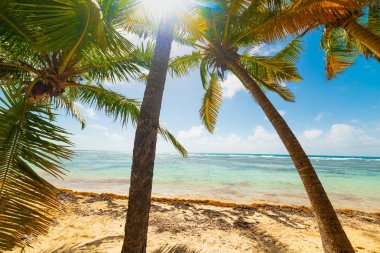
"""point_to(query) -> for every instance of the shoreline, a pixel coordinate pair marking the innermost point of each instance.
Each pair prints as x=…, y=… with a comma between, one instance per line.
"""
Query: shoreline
x=93, y=222
x=207, y=202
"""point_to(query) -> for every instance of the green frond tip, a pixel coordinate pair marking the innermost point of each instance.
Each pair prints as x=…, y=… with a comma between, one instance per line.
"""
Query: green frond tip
x=281, y=90
x=65, y=102
x=181, y=65
x=114, y=104
x=211, y=102
x=169, y=137
x=291, y=52
x=267, y=68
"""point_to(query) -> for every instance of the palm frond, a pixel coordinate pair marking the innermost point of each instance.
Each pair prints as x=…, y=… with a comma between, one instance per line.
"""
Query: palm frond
x=100, y=66
x=27, y=138
x=72, y=25
x=211, y=102
x=112, y=103
x=279, y=89
x=291, y=52
x=301, y=15
x=169, y=137
x=13, y=27
x=181, y=65
x=141, y=23
x=15, y=71
x=267, y=68
x=339, y=53
x=65, y=102
x=203, y=72
x=62, y=27
x=143, y=54
x=118, y=107
x=373, y=23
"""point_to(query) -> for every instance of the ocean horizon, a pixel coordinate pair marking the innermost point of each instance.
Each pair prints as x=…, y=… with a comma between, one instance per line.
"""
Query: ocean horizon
x=350, y=181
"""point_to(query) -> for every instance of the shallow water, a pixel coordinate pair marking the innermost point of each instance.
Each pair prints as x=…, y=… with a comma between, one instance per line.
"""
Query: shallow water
x=351, y=182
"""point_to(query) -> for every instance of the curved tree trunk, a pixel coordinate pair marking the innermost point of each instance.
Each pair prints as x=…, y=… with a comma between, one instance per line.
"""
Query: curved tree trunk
x=144, y=150
x=365, y=36
x=334, y=239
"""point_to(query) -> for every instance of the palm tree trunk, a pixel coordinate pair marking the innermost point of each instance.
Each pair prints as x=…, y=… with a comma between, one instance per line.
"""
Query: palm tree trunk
x=334, y=239
x=144, y=150
x=365, y=36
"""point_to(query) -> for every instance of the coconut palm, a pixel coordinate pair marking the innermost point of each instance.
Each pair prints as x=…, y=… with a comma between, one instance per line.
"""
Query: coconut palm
x=170, y=27
x=225, y=46
x=144, y=151
x=39, y=74
x=144, y=148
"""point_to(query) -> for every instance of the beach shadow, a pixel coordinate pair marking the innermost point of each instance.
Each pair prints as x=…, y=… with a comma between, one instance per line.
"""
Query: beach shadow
x=266, y=242
x=276, y=214
x=94, y=245
x=99, y=242
x=175, y=249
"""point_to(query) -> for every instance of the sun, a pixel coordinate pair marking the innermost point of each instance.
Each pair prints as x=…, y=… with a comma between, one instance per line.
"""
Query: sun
x=162, y=6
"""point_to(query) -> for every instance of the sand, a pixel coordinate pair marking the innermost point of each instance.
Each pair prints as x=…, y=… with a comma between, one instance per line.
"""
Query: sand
x=95, y=223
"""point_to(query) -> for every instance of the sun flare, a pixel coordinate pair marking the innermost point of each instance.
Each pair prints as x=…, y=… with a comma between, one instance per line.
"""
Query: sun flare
x=162, y=6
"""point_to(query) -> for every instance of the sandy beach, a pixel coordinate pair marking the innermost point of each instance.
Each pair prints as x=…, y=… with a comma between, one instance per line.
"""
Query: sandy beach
x=95, y=223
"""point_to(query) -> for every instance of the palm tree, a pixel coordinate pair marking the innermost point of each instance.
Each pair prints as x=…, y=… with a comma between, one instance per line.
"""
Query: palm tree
x=225, y=46
x=39, y=74
x=170, y=27
x=144, y=151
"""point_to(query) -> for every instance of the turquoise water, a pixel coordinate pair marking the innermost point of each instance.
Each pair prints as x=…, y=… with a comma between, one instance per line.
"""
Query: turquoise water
x=351, y=182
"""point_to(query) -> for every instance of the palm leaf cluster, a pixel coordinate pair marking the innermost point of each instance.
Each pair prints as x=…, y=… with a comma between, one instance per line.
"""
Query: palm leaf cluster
x=342, y=47
x=28, y=138
x=54, y=55
x=221, y=37
x=351, y=28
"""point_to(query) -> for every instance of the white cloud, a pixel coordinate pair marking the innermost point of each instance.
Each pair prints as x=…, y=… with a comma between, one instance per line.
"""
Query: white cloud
x=347, y=135
x=180, y=50
x=312, y=134
x=231, y=86
x=116, y=137
x=195, y=131
x=104, y=140
x=98, y=127
x=260, y=140
x=259, y=134
x=266, y=49
x=340, y=139
x=319, y=116
x=88, y=112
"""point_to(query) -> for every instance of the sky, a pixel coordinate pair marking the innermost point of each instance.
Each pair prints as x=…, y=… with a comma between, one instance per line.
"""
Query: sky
x=338, y=117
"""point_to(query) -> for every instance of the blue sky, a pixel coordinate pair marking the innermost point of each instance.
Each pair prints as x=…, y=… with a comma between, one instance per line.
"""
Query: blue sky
x=338, y=117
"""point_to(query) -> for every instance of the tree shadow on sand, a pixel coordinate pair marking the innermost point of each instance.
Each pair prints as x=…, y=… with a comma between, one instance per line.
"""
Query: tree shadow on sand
x=92, y=247
x=265, y=241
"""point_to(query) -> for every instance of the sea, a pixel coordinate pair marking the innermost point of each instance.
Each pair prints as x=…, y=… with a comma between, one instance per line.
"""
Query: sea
x=350, y=181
